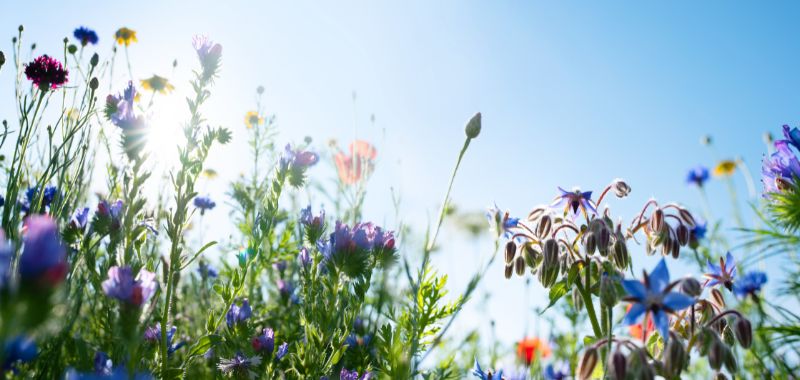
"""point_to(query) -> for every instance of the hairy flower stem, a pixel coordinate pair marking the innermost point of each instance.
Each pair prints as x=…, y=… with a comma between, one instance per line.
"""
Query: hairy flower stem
x=587, y=301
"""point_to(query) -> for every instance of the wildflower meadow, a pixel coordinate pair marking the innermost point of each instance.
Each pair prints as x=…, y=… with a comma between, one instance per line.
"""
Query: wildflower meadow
x=123, y=255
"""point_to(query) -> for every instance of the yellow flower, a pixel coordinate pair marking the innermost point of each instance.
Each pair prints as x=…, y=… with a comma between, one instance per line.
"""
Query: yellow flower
x=157, y=84
x=725, y=168
x=210, y=173
x=73, y=114
x=125, y=36
x=253, y=119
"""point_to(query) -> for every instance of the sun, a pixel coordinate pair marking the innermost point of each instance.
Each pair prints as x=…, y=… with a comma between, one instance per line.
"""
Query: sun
x=165, y=135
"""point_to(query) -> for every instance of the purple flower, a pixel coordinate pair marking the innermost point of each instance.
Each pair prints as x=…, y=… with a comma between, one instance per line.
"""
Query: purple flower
x=204, y=203
x=501, y=222
x=152, y=335
x=238, y=314
x=32, y=195
x=298, y=159
x=209, y=54
x=353, y=375
x=239, y=366
x=654, y=295
x=46, y=73
x=6, y=253
x=85, y=36
x=723, y=273
x=478, y=372
x=779, y=170
x=282, y=351
x=559, y=371
x=304, y=257
x=80, y=218
x=792, y=135
x=207, y=270
x=120, y=109
x=697, y=175
x=122, y=286
x=279, y=265
x=44, y=256
x=750, y=284
x=575, y=202
x=117, y=373
x=264, y=343
x=19, y=349
x=102, y=364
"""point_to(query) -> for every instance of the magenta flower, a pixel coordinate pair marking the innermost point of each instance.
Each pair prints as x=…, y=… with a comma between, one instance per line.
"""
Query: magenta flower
x=44, y=256
x=122, y=285
x=46, y=73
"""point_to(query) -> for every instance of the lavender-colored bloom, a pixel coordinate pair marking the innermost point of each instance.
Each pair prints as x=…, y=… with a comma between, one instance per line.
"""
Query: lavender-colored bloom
x=209, y=54
x=85, y=36
x=285, y=288
x=353, y=375
x=204, y=203
x=308, y=219
x=19, y=349
x=110, y=210
x=264, y=343
x=44, y=256
x=697, y=176
x=122, y=286
x=575, y=202
x=304, y=257
x=239, y=366
x=120, y=109
x=654, y=296
x=780, y=168
x=283, y=349
x=750, y=284
x=557, y=371
x=280, y=265
x=298, y=159
x=478, y=372
x=80, y=218
x=792, y=135
x=238, y=314
x=724, y=273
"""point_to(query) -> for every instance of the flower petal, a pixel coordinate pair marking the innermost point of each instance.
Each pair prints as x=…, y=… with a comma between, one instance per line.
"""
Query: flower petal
x=677, y=301
x=659, y=277
x=661, y=322
x=634, y=313
x=635, y=289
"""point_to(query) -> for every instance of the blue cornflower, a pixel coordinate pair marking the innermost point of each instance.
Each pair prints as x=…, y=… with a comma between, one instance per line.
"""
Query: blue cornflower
x=31, y=195
x=80, y=218
x=85, y=36
x=779, y=170
x=44, y=256
x=19, y=349
x=477, y=371
x=575, y=202
x=264, y=343
x=697, y=176
x=654, y=295
x=122, y=286
x=557, y=371
x=282, y=351
x=204, y=203
x=723, y=273
x=240, y=366
x=750, y=284
x=238, y=314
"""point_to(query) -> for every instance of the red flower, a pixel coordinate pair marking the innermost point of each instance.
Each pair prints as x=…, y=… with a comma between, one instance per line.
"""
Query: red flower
x=358, y=164
x=529, y=349
x=46, y=73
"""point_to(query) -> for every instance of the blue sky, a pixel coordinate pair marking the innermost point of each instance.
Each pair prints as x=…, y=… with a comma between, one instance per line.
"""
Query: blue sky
x=572, y=94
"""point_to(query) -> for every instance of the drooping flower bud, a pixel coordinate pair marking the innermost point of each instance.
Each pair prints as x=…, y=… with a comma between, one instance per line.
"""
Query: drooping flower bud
x=519, y=266
x=674, y=356
x=473, y=128
x=621, y=188
x=608, y=291
x=675, y=248
x=511, y=251
x=551, y=265
x=687, y=217
x=617, y=365
x=590, y=243
x=691, y=287
x=603, y=236
x=531, y=255
x=577, y=299
x=682, y=232
x=509, y=271
x=717, y=298
x=744, y=332
x=730, y=360
x=716, y=354
x=587, y=364
x=657, y=221
x=620, y=253
x=544, y=226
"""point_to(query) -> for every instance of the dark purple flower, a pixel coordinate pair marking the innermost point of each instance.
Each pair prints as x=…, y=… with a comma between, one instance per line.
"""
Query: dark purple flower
x=697, y=176
x=32, y=195
x=85, y=36
x=264, y=343
x=204, y=203
x=122, y=285
x=779, y=170
x=282, y=351
x=44, y=256
x=239, y=366
x=6, y=253
x=46, y=73
x=575, y=202
x=279, y=265
x=80, y=218
x=750, y=284
x=207, y=270
x=238, y=314
x=19, y=349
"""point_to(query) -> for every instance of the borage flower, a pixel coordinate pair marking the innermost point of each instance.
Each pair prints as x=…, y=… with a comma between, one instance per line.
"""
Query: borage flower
x=46, y=73
x=478, y=372
x=122, y=286
x=44, y=256
x=125, y=36
x=85, y=36
x=358, y=164
x=750, y=284
x=240, y=366
x=501, y=222
x=697, y=176
x=723, y=273
x=238, y=314
x=157, y=84
x=654, y=295
x=575, y=202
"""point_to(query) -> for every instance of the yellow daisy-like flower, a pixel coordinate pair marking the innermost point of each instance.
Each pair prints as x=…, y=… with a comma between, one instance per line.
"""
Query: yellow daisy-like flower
x=725, y=168
x=125, y=36
x=157, y=84
x=210, y=173
x=253, y=119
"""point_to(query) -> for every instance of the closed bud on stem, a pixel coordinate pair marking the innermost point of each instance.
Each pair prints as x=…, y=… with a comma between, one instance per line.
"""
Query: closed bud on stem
x=511, y=251
x=744, y=332
x=675, y=248
x=72, y=49
x=531, y=255
x=608, y=291
x=519, y=266
x=94, y=83
x=94, y=60
x=551, y=265
x=717, y=298
x=675, y=357
x=691, y=287
x=590, y=243
x=587, y=364
x=682, y=232
x=544, y=226
x=617, y=365
x=621, y=188
x=730, y=360
x=657, y=221
x=577, y=299
x=720, y=376
x=687, y=217
x=2, y=59
x=716, y=354
x=473, y=128
x=620, y=253
x=603, y=241
x=509, y=271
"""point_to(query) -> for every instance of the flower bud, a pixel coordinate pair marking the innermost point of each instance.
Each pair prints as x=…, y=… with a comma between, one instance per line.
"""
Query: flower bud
x=473, y=128
x=720, y=376
x=509, y=271
x=72, y=49
x=519, y=266
x=544, y=226
x=511, y=251
x=548, y=273
x=577, y=299
x=531, y=255
x=94, y=83
x=587, y=364
x=744, y=332
x=260, y=90
x=536, y=213
x=675, y=248
x=717, y=298
x=675, y=357
x=691, y=287
x=620, y=253
x=94, y=60
x=608, y=291
x=603, y=240
x=682, y=233
x=687, y=217
x=2, y=59
x=617, y=365
x=621, y=188
x=657, y=221
x=730, y=360
x=589, y=243
x=716, y=354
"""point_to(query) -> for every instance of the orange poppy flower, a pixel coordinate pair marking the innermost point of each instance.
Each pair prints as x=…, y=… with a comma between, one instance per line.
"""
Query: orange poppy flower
x=636, y=329
x=358, y=164
x=529, y=349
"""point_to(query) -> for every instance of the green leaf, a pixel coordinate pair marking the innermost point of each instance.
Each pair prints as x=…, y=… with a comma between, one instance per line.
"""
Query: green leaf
x=203, y=344
x=558, y=290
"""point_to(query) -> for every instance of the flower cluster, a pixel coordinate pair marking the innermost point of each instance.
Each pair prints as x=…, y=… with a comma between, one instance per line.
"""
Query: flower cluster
x=123, y=286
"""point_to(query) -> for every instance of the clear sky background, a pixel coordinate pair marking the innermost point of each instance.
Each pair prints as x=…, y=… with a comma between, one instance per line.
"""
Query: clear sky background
x=572, y=94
